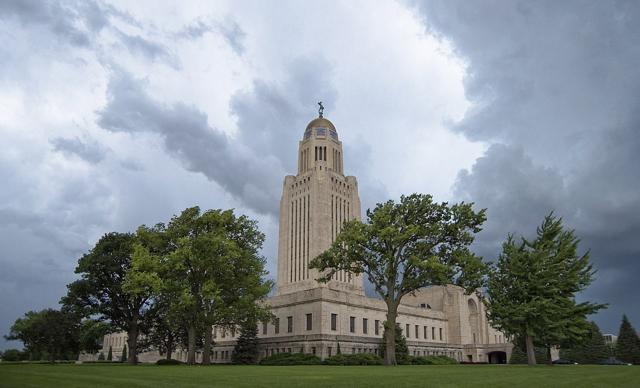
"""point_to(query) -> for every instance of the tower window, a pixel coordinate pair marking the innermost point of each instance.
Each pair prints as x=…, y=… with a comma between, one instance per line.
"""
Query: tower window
x=289, y=324
x=334, y=322
x=365, y=325
x=309, y=322
x=277, y=326
x=352, y=324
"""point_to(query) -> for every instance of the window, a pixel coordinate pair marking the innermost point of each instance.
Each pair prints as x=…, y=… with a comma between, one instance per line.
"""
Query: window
x=264, y=327
x=407, y=330
x=329, y=350
x=289, y=324
x=334, y=322
x=223, y=333
x=376, y=327
x=425, y=333
x=440, y=334
x=433, y=333
x=277, y=326
x=417, y=332
x=352, y=324
x=313, y=350
x=309, y=322
x=365, y=325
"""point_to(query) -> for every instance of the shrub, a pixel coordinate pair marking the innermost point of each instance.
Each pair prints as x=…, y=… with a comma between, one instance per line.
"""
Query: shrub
x=291, y=359
x=430, y=360
x=354, y=359
x=164, y=361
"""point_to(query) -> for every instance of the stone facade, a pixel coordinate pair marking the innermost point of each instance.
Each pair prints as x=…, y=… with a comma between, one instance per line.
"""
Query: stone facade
x=318, y=318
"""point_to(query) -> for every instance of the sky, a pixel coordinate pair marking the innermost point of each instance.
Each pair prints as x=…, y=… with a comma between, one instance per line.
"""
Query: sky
x=117, y=114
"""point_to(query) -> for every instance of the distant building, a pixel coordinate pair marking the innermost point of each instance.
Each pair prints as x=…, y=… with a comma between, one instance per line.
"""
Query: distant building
x=610, y=339
x=318, y=318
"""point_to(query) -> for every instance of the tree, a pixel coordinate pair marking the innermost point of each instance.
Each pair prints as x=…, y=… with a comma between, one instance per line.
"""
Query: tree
x=100, y=292
x=532, y=288
x=402, y=351
x=110, y=354
x=590, y=351
x=246, y=349
x=52, y=331
x=406, y=246
x=165, y=330
x=628, y=345
x=208, y=265
x=92, y=333
x=123, y=357
x=12, y=355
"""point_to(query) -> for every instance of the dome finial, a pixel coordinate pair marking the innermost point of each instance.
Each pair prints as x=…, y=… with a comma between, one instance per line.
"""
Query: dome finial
x=321, y=109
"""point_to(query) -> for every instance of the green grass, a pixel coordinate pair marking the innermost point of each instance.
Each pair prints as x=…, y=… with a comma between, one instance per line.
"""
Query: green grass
x=124, y=376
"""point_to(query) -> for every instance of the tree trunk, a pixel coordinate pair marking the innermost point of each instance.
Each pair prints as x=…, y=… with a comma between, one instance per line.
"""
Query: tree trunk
x=531, y=352
x=191, y=352
x=132, y=342
x=390, y=335
x=169, y=347
x=206, y=351
x=549, y=361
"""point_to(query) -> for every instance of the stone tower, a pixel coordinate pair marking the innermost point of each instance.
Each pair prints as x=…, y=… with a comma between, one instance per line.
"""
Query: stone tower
x=314, y=205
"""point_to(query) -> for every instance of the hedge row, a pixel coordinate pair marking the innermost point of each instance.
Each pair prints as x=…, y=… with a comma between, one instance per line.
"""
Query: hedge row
x=351, y=359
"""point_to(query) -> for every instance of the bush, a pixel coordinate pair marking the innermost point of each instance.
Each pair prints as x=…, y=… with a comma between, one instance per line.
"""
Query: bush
x=429, y=360
x=291, y=359
x=164, y=361
x=354, y=359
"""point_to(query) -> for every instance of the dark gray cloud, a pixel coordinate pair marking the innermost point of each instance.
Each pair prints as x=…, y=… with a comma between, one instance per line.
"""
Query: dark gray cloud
x=88, y=150
x=556, y=83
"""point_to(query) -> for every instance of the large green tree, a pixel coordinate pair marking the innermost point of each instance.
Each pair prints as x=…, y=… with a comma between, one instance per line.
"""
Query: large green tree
x=405, y=246
x=92, y=334
x=246, y=349
x=628, y=344
x=532, y=288
x=51, y=332
x=589, y=351
x=99, y=291
x=208, y=265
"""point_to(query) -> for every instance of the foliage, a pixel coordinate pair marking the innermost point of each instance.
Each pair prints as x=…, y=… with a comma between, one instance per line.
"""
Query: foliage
x=628, y=345
x=208, y=265
x=246, y=349
x=406, y=246
x=100, y=292
x=430, y=360
x=590, y=351
x=13, y=355
x=354, y=359
x=402, y=351
x=165, y=361
x=52, y=331
x=532, y=288
x=92, y=333
x=291, y=359
x=519, y=355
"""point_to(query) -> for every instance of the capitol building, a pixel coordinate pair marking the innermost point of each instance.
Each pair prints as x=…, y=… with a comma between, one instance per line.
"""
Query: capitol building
x=317, y=318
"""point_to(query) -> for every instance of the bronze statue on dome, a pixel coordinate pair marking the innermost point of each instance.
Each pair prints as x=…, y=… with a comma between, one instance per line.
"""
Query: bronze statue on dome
x=321, y=110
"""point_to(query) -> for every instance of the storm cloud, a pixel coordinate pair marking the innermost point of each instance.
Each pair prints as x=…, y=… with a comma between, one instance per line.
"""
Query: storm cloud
x=555, y=87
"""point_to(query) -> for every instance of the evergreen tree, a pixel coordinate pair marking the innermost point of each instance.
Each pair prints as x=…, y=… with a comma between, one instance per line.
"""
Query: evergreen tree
x=400, y=342
x=338, y=351
x=592, y=350
x=519, y=356
x=532, y=288
x=110, y=354
x=123, y=358
x=101, y=357
x=246, y=349
x=628, y=345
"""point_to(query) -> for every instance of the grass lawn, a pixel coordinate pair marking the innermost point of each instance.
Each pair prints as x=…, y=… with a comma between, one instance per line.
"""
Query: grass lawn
x=124, y=376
